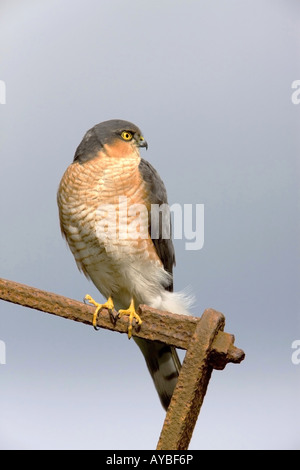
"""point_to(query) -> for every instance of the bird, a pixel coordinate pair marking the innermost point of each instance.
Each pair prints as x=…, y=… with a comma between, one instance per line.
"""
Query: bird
x=106, y=200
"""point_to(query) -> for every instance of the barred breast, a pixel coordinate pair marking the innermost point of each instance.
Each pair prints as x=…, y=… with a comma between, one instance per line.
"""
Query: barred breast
x=103, y=207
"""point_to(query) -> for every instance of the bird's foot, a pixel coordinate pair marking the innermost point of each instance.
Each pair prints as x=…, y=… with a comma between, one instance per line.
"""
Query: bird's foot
x=130, y=311
x=108, y=304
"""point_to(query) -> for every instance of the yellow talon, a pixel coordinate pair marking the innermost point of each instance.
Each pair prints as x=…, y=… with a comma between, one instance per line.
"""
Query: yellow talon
x=108, y=304
x=130, y=311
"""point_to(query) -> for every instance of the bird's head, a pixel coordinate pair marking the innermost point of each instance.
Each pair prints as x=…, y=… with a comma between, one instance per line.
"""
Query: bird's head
x=115, y=135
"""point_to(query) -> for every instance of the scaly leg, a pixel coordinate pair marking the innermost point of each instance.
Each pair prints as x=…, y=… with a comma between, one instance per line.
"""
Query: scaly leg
x=130, y=311
x=108, y=304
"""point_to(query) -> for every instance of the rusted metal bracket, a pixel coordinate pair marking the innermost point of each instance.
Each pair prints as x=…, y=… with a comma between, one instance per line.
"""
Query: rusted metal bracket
x=208, y=347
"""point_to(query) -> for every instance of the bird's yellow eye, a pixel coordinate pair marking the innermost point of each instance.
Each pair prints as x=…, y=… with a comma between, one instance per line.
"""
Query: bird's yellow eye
x=126, y=135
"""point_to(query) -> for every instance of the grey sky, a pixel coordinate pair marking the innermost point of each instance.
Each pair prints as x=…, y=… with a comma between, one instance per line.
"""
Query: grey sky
x=209, y=84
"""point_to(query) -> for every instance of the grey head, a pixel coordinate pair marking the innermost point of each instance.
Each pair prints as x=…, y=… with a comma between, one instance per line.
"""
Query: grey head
x=106, y=133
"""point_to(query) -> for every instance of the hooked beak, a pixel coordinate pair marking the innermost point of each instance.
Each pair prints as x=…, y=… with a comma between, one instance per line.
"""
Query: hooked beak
x=141, y=142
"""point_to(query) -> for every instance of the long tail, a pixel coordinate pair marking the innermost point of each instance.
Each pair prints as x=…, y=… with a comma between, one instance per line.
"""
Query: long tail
x=164, y=365
x=162, y=360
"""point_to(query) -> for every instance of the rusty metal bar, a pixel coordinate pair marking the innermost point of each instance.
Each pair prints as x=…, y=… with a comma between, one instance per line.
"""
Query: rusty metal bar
x=172, y=329
x=208, y=347
x=192, y=383
x=175, y=330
